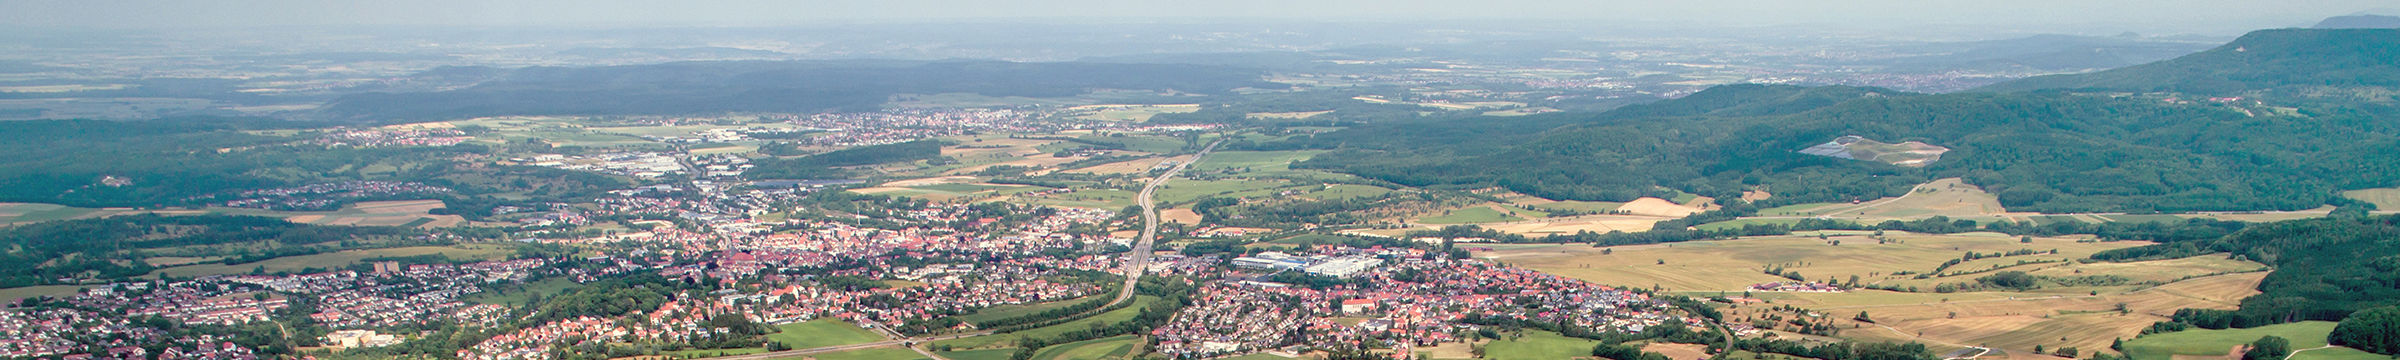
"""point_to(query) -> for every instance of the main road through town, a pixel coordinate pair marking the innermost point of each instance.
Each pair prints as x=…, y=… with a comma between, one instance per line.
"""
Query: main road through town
x=1136, y=262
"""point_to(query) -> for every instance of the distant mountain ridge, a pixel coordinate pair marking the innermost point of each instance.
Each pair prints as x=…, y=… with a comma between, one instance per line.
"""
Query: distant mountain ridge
x=2043, y=53
x=2320, y=123
x=2264, y=59
x=2360, y=21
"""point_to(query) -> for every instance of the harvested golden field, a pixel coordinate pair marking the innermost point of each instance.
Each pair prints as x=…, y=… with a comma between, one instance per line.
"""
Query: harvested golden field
x=1657, y=207
x=1730, y=265
x=1950, y=197
x=1678, y=351
x=1185, y=216
x=2019, y=321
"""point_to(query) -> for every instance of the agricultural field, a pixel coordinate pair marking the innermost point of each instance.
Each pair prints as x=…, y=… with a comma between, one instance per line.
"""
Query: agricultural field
x=2385, y=199
x=12, y=295
x=881, y=353
x=1286, y=115
x=1119, y=347
x=1347, y=191
x=1735, y=264
x=821, y=333
x=1538, y=345
x=1471, y=215
x=1009, y=339
x=1182, y=191
x=1662, y=207
x=1574, y=224
x=1573, y=205
x=2088, y=316
x=337, y=260
x=1126, y=113
x=1105, y=199
x=985, y=354
x=2206, y=342
x=1180, y=215
x=12, y=213
x=1253, y=161
x=1945, y=197
x=948, y=191
x=371, y=213
x=1135, y=166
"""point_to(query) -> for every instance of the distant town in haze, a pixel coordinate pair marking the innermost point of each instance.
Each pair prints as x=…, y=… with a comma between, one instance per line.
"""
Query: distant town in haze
x=743, y=180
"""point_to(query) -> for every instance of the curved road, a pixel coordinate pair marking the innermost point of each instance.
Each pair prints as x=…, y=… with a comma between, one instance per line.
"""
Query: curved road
x=1138, y=259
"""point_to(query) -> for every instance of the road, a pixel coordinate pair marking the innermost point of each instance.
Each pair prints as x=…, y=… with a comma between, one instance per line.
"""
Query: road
x=1137, y=260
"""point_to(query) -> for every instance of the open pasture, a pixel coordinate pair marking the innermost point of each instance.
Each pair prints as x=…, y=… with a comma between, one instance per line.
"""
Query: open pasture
x=821, y=333
x=1539, y=345
x=2206, y=342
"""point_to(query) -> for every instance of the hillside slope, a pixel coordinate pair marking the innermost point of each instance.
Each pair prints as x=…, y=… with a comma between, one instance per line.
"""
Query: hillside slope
x=2039, y=151
x=2265, y=59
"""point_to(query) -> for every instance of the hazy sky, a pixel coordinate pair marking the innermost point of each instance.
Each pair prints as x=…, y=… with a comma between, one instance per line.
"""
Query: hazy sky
x=2134, y=15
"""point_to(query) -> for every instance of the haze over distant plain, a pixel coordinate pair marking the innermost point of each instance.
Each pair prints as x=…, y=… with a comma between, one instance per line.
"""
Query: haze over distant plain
x=2161, y=16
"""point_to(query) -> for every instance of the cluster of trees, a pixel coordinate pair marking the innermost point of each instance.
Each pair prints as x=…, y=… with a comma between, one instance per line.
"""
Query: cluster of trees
x=2373, y=330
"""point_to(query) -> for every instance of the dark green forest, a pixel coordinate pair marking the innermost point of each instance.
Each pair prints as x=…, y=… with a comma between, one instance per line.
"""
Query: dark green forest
x=186, y=161
x=112, y=248
x=2047, y=151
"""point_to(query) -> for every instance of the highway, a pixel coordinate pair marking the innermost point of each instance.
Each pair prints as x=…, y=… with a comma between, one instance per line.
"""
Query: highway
x=1136, y=260
x=1139, y=258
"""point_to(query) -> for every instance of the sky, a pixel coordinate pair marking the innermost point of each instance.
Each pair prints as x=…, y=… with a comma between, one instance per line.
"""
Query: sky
x=2202, y=16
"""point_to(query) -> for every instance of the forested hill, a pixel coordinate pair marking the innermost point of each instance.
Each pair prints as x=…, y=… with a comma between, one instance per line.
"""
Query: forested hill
x=2260, y=60
x=778, y=86
x=2046, y=151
